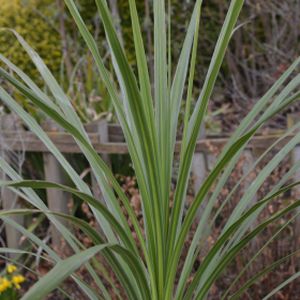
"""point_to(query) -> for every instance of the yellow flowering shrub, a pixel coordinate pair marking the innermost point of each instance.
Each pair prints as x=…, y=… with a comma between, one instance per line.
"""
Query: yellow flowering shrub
x=4, y=284
x=10, y=283
x=33, y=19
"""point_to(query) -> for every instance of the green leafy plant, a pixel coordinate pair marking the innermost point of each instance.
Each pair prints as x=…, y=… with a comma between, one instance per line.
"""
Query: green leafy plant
x=148, y=268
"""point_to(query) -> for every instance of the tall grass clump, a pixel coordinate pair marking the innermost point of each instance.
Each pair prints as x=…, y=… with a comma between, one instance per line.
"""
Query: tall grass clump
x=147, y=267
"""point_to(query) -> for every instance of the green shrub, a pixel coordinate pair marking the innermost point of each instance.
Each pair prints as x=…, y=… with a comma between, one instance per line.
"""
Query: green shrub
x=33, y=19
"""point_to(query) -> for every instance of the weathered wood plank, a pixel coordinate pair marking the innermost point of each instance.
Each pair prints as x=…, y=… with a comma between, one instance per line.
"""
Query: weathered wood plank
x=102, y=129
x=295, y=158
x=115, y=133
x=57, y=200
x=8, y=198
x=66, y=144
x=199, y=169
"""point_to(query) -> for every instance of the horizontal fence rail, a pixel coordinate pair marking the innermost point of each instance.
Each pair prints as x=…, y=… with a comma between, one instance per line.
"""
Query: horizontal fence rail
x=109, y=139
x=29, y=142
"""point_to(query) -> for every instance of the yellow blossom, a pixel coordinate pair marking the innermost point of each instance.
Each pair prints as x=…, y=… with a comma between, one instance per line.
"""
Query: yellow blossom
x=4, y=284
x=17, y=279
x=11, y=268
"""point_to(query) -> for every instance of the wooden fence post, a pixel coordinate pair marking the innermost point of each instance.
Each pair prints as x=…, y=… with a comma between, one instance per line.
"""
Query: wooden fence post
x=100, y=127
x=57, y=200
x=295, y=158
x=9, y=198
x=249, y=161
x=199, y=170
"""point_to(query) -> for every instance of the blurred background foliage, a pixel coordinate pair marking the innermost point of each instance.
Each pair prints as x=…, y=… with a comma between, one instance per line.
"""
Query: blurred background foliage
x=33, y=19
x=266, y=42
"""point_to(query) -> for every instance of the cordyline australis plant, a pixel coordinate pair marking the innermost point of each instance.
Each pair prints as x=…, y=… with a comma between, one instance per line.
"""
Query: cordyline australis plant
x=148, y=269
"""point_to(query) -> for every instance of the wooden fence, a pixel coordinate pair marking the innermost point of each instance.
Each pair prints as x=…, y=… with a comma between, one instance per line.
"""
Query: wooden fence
x=108, y=139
